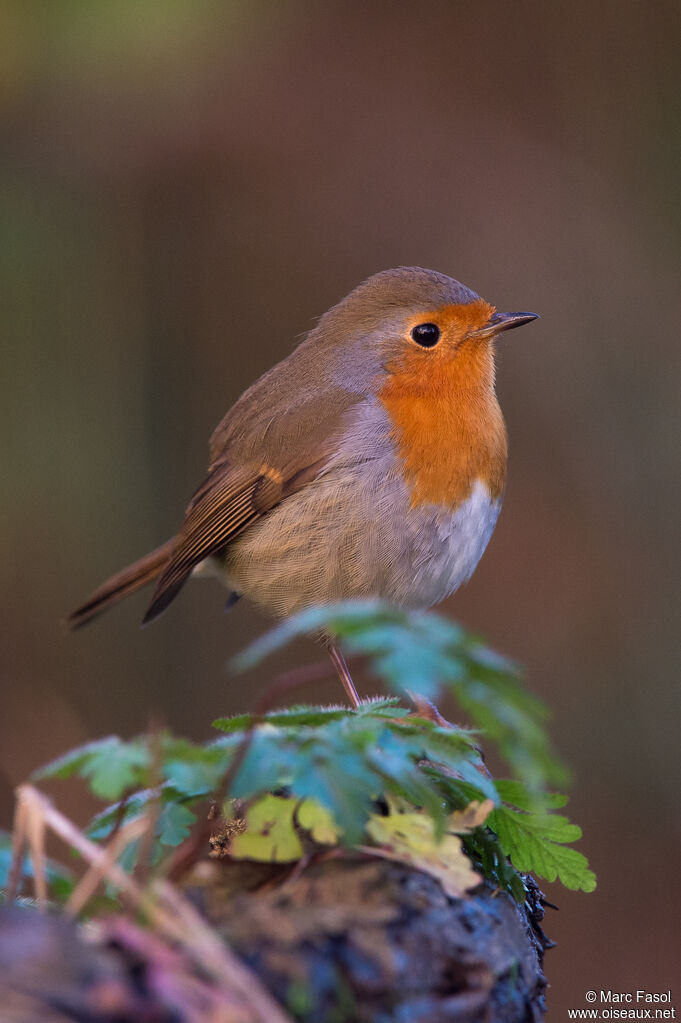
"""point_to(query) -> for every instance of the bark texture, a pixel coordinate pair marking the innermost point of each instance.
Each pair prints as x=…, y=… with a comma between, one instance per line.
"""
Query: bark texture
x=346, y=940
x=354, y=941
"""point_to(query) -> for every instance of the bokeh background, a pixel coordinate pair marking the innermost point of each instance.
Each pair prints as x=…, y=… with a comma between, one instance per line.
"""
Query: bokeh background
x=184, y=187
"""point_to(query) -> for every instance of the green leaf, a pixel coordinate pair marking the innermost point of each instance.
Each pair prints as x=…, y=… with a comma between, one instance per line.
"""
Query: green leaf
x=196, y=770
x=305, y=715
x=342, y=760
x=342, y=618
x=512, y=791
x=267, y=765
x=381, y=706
x=175, y=823
x=532, y=842
x=288, y=718
x=483, y=847
x=344, y=788
x=127, y=860
x=428, y=655
x=111, y=765
x=102, y=823
x=117, y=767
x=71, y=763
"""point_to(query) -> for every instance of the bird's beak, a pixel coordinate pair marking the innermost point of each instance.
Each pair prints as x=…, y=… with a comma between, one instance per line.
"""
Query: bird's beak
x=503, y=321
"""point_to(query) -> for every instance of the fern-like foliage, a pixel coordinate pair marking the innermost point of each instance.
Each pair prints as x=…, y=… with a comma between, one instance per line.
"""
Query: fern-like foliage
x=423, y=653
x=349, y=762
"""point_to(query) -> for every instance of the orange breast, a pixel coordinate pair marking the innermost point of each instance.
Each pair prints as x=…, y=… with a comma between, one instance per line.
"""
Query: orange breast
x=447, y=423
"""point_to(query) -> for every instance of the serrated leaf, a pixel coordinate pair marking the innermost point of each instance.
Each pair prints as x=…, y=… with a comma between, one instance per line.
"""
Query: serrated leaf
x=116, y=767
x=381, y=707
x=308, y=716
x=491, y=659
x=175, y=823
x=71, y=763
x=193, y=779
x=513, y=791
x=266, y=764
x=341, y=787
x=532, y=842
x=478, y=784
x=291, y=718
x=427, y=654
x=111, y=765
x=483, y=846
x=349, y=619
x=344, y=759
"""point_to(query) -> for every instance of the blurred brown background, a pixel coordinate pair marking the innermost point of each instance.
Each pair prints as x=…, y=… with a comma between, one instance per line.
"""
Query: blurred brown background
x=184, y=187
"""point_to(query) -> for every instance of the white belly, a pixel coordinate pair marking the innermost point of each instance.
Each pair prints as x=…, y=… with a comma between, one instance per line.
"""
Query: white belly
x=352, y=532
x=447, y=546
x=330, y=543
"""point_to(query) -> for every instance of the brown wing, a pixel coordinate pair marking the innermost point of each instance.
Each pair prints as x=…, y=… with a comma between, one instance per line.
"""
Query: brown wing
x=226, y=503
x=270, y=443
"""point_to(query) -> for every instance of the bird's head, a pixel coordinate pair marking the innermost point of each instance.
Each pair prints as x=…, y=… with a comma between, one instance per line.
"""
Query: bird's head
x=417, y=325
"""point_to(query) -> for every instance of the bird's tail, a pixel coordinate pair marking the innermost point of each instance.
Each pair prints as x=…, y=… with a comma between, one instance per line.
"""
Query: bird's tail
x=132, y=578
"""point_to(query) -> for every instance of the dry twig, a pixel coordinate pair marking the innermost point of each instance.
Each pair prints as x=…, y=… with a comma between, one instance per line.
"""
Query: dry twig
x=166, y=909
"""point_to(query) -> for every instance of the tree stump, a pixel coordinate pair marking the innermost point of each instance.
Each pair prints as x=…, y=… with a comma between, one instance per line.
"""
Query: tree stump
x=348, y=939
x=373, y=941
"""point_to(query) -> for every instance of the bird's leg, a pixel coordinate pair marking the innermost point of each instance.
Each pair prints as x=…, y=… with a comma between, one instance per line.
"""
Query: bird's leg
x=342, y=669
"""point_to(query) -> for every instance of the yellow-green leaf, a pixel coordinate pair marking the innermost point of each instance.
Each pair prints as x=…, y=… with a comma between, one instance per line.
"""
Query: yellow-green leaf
x=411, y=838
x=275, y=826
x=316, y=819
x=269, y=834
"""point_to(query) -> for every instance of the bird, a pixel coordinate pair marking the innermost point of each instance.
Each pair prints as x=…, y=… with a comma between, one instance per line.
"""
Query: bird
x=370, y=462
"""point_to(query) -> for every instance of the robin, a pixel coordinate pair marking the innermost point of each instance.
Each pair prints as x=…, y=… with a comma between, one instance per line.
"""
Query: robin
x=370, y=462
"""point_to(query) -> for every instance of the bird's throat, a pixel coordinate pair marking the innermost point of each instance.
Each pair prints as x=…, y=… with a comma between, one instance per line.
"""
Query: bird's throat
x=447, y=424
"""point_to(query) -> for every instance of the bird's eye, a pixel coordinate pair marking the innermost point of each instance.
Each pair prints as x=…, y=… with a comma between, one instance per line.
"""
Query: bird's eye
x=426, y=334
